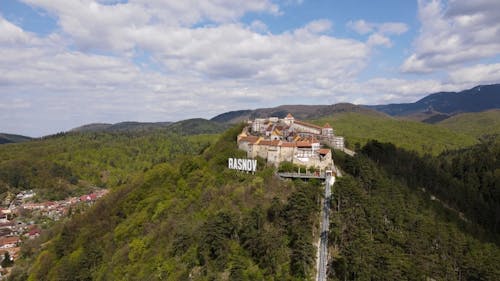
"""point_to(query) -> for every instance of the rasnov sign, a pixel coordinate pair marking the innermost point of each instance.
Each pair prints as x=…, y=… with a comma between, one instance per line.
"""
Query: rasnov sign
x=248, y=165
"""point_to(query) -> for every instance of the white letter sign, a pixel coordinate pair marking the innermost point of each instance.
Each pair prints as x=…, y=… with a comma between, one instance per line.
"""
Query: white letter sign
x=247, y=165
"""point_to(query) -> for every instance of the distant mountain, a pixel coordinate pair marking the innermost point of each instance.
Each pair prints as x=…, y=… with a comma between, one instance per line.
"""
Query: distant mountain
x=232, y=116
x=197, y=126
x=304, y=112
x=185, y=127
x=10, y=138
x=441, y=105
x=122, y=127
x=94, y=127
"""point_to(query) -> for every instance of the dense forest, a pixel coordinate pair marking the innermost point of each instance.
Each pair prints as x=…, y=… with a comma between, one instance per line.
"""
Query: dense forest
x=384, y=228
x=176, y=212
x=467, y=180
x=423, y=138
x=68, y=164
x=476, y=124
x=187, y=219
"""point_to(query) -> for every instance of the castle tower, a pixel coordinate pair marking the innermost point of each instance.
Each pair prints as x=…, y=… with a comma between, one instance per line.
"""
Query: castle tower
x=327, y=130
x=289, y=119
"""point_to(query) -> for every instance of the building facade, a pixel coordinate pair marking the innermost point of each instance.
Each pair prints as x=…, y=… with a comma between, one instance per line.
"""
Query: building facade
x=278, y=140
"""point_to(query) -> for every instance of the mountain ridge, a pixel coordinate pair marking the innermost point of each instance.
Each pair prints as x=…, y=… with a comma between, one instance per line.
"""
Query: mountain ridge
x=303, y=112
x=187, y=127
x=13, y=138
x=120, y=127
x=476, y=99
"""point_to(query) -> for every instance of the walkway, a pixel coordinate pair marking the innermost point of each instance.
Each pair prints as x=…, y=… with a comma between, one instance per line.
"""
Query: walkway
x=302, y=176
x=325, y=224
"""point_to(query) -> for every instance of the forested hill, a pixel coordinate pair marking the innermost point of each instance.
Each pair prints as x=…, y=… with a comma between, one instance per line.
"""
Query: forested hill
x=185, y=127
x=424, y=138
x=477, y=124
x=67, y=164
x=391, y=220
x=175, y=212
x=188, y=218
x=467, y=180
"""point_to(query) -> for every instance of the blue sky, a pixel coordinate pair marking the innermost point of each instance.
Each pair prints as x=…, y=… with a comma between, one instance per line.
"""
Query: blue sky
x=67, y=63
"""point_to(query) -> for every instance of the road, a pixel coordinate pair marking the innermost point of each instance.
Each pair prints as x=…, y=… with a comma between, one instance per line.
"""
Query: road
x=325, y=224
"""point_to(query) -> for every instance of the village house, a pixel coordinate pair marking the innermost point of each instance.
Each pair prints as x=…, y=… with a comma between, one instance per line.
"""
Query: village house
x=33, y=232
x=9, y=242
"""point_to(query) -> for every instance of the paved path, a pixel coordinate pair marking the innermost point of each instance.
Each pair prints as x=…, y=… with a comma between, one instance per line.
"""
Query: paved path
x=325, y=224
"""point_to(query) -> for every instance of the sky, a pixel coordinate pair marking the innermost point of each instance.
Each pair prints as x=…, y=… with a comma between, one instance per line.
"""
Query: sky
x=68, y=63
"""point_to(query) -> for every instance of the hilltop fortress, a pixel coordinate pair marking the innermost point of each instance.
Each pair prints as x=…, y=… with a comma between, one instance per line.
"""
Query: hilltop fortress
x=288, y=139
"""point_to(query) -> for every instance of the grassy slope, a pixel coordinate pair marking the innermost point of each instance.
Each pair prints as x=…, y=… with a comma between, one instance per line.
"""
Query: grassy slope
x=474, y=124
x=420, y=137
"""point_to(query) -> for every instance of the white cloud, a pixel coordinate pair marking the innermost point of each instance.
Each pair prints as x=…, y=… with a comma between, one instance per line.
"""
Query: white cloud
x=453, y=34
x=387, y=28
x=397, y=28
x=12, y=34
x=379, y=32
x=318, y=26
x=476, y=74
x=207, y=70
x=170, y=60
x=361, y=26
x=379, y=39
x=258, y=26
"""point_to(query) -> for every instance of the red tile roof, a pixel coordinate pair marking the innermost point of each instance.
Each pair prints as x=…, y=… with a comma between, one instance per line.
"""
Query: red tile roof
x=269, y=142
x=288, y=144
x=250, y=139
x=327, y=126
x=289, y=115
x=85, y=198
x=314, y=140
x=9, y=240
x=34, y=231
x=324, y=151
x=303, y=144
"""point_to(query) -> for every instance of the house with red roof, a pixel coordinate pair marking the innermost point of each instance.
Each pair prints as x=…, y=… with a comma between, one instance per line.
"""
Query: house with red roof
x=9, y=242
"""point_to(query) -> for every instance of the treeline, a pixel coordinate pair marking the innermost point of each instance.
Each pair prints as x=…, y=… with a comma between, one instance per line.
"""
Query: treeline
x=381, y=229
x=188, y=219
x=467, y=180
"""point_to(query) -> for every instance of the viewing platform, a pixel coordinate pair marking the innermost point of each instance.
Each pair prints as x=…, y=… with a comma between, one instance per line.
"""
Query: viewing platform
x=288, y=175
